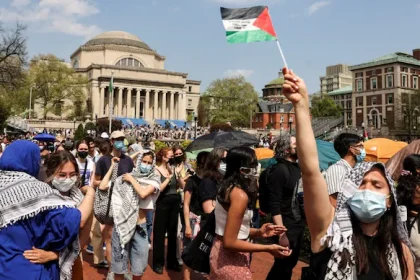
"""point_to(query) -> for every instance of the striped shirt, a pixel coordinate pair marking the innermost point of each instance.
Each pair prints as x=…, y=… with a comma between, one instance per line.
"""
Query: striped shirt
x=335, y=175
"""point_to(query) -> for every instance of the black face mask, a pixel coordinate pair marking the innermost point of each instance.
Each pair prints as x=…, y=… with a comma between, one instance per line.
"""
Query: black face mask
x=82, y=154
x=171, y=161
x=178, y=159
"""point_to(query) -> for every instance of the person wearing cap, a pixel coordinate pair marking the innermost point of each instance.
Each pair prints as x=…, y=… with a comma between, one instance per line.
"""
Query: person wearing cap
x=104, y=135
x=125, y=165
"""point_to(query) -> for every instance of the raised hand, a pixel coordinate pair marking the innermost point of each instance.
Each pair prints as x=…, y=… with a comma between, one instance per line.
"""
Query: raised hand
x=294, y=88
x=268, y=230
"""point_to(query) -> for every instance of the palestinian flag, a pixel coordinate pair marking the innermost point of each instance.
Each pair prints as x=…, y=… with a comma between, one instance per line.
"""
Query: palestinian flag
x=248, y=25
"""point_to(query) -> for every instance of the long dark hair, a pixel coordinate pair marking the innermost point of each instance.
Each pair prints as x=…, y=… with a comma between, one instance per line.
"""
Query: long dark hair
x=201, y=160
x=176, y=148
x=236, y=158
x=56, y=161
x=212, y=164
x=387, y=234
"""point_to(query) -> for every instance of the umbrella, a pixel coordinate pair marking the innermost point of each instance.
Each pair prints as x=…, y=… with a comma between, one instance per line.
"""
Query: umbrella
x=327, y=156
x=227, y=139
x=45, y=137
x=382, y=149
x=394, y=164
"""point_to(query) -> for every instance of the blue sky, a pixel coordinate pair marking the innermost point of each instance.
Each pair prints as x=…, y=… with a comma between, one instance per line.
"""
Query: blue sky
x=313, y=34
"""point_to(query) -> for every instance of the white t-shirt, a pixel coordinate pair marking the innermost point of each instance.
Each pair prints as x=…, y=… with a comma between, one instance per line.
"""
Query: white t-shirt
x=89, y=170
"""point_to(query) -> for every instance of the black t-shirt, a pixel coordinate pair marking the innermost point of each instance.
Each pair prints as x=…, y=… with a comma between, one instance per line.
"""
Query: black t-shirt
x=207, y=190
x=125, y=165
x=192, y=185
x=282, y=187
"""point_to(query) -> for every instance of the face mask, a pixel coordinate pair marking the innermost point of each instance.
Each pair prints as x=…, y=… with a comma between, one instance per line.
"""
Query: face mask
x=82, y=154
x=41, y=148
x=368, y=206
x=119, y=145
x=178, y=159
x=145, y=168
x=361, y=157
x=64, y=185
x=171, y=161
x=222, y=168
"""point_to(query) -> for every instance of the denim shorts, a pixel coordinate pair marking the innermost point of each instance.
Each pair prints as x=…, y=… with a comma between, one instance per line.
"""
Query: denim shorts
x=136, y=251
x=186, y=241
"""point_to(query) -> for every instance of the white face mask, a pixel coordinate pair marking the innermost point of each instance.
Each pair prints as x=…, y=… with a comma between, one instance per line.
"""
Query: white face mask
x=222, y=168
x=64, y=185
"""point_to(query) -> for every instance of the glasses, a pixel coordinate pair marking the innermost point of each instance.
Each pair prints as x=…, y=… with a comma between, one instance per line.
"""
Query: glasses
x=249, y=171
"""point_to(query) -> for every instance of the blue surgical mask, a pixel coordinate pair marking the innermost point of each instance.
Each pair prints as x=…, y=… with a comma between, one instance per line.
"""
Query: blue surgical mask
x=119, y=145
x=368, y=206
x=361, y=157
x=145, y=168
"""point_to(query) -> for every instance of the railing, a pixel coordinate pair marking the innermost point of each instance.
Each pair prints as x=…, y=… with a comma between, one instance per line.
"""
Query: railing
x=325, y=125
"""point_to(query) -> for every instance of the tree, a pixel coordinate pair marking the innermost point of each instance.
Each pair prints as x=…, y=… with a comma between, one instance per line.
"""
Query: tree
x=4, y=112
x=103, y=125
x=54, y=83
x=325, y=107
x=410, y=110
x=228, y=100
x=80, y=133
x=12, y=56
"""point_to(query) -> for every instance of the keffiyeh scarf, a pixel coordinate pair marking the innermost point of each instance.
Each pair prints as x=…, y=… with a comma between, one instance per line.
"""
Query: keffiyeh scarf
x=125, y=202
x=22, y=197
x=340, y=232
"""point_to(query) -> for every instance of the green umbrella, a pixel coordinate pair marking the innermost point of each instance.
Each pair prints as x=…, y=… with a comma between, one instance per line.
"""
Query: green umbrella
x=193, y=155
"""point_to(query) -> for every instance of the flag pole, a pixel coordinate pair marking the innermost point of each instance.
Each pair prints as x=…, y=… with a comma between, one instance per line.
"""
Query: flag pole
x=281, y=53
x=111, y=102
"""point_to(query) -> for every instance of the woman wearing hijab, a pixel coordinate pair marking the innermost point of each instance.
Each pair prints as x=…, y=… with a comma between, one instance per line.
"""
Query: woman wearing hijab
x=364, y=238
x=33, y=215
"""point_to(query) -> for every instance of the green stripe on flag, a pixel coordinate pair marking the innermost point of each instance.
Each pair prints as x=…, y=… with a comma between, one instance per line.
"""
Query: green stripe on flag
x=234, y=37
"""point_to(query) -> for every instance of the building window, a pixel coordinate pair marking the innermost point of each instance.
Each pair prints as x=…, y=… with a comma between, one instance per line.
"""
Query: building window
x=360, y=102
x=389, y=81
x=76, y=64
x=404, y=69
x=415, y=82
x=404, y=81
x=360, y=85
x=189, y=102
x=189, y=88
x=58, y=108
x=389, y=69
x=390, y=98
x=130, y=62
x=282, y=119
x=373, y=83
x=374, y=100
x=359, y=74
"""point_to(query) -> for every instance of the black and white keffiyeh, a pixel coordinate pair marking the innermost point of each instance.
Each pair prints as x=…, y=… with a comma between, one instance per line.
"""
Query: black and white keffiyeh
x=22, y=197
x=125, y=202
x=340, y=232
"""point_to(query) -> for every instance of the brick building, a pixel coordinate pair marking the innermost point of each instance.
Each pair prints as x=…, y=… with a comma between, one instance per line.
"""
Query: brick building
x=343, y=98
x=381, y=88
x=274, y=115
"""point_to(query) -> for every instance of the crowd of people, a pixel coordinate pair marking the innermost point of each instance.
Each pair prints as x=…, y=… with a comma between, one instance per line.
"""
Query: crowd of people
x=56, y=200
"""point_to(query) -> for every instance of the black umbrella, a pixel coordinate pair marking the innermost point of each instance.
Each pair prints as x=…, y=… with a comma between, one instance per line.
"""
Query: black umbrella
x=225, y=139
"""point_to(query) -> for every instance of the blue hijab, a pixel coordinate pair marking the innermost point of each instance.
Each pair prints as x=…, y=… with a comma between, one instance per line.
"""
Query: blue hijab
x=23, y=156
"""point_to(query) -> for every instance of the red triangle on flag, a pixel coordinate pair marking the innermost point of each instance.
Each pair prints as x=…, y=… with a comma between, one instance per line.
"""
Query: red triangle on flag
x=264, y=23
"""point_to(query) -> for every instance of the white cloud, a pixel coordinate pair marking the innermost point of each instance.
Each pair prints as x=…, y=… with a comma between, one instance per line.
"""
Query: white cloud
x=62, y=16
x=318, y=5
x=20, y=3
x=238, y=72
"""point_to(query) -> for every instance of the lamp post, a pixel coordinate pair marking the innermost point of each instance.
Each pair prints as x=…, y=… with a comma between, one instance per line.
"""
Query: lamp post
x=74, y=125
x=30, y=102
x=281, y=125
x=290, y=125
x=195, y=125
x=96, y=127
x=325, y=134
x=363, y=129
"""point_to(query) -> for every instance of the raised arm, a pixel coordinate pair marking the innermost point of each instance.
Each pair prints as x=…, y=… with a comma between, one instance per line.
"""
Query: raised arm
x=104, y=185
x=318, y=210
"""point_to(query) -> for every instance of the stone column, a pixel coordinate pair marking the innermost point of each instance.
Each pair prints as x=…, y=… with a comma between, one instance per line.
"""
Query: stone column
x=129, y=92
x=171, y=105
x=101, y=102
x=120, y=105
x=155, y=105
x=164, y=105
x=137, y=103
x=95, y=90
x=115, y=102
x=182, y=106
x=147, y=114
x=106, y=102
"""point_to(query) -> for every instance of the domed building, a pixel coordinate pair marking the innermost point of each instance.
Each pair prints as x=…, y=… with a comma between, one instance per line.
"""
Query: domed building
x=143, y=89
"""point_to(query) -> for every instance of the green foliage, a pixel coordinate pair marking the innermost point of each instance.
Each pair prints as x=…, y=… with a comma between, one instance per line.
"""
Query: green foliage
x=229, y=99
x=410, y=110
x=159, y=145
x=190, y=117
x=185, y=144
x=90, y=126
x=4, y=112
x=325, y=107
x=55, y=83
x=79, y=134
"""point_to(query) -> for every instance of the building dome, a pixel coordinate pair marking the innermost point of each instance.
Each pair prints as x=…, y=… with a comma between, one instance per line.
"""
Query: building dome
x=117, y=38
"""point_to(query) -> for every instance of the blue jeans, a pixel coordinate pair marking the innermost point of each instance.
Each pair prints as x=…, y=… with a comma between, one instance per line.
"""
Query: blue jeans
x=136, y=251
x=149, y=223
